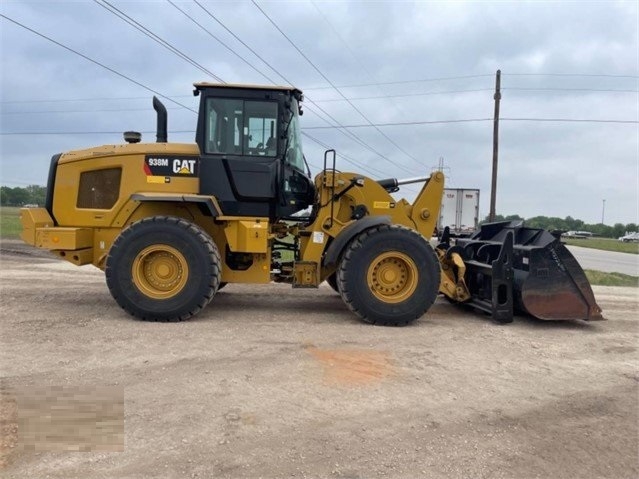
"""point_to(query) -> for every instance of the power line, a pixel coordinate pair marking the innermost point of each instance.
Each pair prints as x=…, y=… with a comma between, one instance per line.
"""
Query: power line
x=156, y=38
x=355, y=163
x=341, y=127
x=603, y=75
x=277, y=72
x=35, y=133
x=281, y=75
x=404, y=95
x=344, y=42
x=403, y=82
x=354, y=98
x=96, y=62
x=355, y=57
x=343, y=131
x=349, y=134
x=112, y=110
x=395, y=105
x=403, y=123
x=572, y=120
x=336, y=88
x=326, y=147
x=331, y=100
x=442, y=92
x=475, y=120
x=463, y=77
x=341, y=155
x=604, y=90
x=65, y=100
x=219, y=41
x=363, y=125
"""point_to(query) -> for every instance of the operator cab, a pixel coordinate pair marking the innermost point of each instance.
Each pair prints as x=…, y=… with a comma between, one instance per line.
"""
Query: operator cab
x=251, y=150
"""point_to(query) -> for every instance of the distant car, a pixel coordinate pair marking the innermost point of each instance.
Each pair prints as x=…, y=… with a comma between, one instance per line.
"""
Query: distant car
x=630, y=238
x=577, y=234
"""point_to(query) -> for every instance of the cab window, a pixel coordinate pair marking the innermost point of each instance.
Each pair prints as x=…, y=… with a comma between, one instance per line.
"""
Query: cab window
x=294, y=152
x=241, y=127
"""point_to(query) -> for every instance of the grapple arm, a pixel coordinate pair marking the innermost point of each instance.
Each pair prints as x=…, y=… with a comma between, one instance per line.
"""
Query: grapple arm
x=509, y=267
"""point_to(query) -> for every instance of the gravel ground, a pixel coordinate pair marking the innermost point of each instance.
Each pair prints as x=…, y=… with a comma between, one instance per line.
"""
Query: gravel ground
x=274, y=382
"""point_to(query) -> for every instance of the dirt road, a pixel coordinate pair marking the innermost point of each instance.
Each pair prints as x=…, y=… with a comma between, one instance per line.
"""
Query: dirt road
x=274, y=382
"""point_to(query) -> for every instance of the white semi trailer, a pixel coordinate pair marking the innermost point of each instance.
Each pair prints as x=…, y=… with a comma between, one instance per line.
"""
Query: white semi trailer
x=459, y=211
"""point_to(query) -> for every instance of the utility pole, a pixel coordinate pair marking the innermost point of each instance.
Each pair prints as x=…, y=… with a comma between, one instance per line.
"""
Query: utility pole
x=493, y=186
x=603, y=211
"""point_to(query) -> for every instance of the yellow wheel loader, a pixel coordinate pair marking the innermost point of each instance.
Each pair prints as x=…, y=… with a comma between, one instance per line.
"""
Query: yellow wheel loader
x=171, y=224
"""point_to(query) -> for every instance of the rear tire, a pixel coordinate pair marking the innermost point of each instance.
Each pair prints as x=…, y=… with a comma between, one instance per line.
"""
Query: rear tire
x=389, y=275
x=163, y=268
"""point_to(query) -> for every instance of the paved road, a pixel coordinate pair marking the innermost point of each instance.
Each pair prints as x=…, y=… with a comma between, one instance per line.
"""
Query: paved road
x=607, y=261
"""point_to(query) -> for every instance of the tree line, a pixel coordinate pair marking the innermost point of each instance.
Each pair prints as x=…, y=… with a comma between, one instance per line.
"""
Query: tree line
x=35, y=195
x=18, y=196
x=569, y=223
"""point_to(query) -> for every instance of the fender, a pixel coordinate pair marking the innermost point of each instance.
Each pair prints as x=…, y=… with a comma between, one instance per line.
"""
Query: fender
x=334, y=250
x=208, y=202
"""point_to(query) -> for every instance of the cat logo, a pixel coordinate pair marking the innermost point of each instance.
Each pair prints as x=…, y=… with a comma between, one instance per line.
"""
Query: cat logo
x=184, y=167
x=177, y=166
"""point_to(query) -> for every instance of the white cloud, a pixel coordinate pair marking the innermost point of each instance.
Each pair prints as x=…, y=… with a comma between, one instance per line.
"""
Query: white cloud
x=545, y=168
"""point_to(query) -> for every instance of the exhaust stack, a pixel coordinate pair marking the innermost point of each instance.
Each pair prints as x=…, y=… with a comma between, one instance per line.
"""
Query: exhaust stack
x=161, y=126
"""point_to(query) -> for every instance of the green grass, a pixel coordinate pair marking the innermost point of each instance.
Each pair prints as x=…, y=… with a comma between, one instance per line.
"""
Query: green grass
x=611, y=279
x=607, y=244
x=10, y=222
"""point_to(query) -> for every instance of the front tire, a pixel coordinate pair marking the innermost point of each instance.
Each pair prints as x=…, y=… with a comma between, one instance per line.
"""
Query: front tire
x=163, y=268
x=389, y=275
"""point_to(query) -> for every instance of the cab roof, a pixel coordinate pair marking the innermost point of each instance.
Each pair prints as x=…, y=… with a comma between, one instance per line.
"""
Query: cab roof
x=205, y=85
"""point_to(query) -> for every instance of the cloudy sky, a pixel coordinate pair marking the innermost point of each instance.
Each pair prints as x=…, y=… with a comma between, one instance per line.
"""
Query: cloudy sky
x=422, y=63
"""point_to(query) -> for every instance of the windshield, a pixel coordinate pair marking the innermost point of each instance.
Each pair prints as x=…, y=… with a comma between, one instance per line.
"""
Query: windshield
x=294, y=152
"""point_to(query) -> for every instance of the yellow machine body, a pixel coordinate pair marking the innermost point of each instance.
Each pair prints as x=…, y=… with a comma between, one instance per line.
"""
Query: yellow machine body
x=101, y=191
x=172, y=223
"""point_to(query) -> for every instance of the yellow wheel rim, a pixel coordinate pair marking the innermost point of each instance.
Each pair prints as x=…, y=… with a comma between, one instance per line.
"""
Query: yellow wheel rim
x=160, y=271
x=392, y=277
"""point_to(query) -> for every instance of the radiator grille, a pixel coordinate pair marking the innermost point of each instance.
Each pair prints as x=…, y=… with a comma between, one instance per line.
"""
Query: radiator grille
x=99, y=189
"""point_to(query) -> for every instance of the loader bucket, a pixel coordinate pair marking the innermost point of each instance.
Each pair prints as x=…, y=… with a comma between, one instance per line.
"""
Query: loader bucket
x=547, y=281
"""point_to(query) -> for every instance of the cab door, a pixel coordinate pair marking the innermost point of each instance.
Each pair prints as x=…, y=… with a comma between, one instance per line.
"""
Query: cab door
x=239, y=147
x=296, y=190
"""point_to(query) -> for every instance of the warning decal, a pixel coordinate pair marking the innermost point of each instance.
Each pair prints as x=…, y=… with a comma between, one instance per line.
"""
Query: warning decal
x=158, y=179
x=381, y=205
